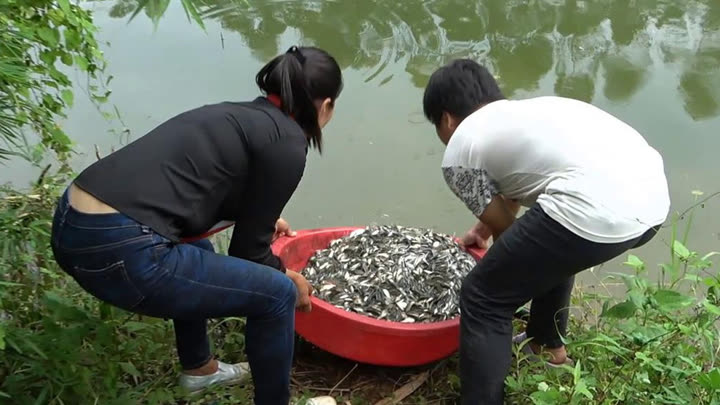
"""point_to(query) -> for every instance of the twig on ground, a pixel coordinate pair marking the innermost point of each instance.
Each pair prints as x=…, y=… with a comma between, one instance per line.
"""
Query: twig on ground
x=329, y=390
x=360, y=386
x=407, y=389
x=344, y=378
x=302, y=386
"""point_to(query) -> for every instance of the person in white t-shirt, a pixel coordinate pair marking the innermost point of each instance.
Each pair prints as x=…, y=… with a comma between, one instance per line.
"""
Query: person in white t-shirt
x=594, y=189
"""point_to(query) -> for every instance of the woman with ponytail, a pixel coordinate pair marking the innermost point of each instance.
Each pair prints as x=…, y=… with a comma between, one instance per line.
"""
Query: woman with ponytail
x=131, y=229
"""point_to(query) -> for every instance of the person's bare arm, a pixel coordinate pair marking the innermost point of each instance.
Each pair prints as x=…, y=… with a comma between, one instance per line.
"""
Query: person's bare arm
x=481, y=232
x=499, y=215
x=512, y=205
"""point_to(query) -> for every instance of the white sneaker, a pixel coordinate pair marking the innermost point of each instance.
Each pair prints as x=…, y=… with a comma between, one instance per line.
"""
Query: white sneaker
x=325, y=400
x=226, y=374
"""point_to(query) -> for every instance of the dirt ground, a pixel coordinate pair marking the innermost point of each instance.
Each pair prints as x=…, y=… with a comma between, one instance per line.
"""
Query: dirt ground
x=317, y=372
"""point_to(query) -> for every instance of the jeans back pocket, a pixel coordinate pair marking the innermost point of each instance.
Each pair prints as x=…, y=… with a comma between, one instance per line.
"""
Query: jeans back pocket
x=110, y=284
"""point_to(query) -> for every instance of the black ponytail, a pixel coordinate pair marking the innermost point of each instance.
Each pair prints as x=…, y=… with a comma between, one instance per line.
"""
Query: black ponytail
x=299, y=77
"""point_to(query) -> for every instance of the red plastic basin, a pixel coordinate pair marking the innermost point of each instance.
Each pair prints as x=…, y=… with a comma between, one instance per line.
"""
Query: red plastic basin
x=358, y=337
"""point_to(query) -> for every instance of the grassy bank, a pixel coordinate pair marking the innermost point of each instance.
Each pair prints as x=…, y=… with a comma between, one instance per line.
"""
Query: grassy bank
x=657, y=344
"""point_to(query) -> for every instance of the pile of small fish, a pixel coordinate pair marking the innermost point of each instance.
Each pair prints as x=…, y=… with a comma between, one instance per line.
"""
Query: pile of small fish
x=394, y=273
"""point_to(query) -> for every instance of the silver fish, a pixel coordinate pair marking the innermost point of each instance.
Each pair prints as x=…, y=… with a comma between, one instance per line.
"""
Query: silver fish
x=395, y=273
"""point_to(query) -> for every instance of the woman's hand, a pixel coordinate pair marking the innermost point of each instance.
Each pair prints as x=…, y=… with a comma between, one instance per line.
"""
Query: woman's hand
x=304, y=291
x=478, y=236
x=282, y=228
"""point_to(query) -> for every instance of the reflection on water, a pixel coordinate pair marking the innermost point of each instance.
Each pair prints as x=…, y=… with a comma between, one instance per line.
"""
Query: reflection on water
x=653, y=63
x=584, y=47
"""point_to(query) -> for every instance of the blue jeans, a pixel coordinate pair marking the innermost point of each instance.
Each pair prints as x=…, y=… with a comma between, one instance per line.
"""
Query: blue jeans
x=126, y=264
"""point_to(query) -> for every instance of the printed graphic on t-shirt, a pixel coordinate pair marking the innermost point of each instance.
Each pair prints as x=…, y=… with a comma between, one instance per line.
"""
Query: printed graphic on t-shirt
x=473, y=186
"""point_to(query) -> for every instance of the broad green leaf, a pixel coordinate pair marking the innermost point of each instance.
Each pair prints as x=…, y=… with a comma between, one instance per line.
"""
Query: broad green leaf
x=669, y=300
x=622, y=310
x=66, y=59
x=577, y=373
x=98, y=53
x=686, y=330
x=630, y=280
x=59, y=76
x=713, y=309
x=681, y=394
x=680, y=250
x=67, y=96
x=711, y=380
x=130, y=369
x=690, y=362
x=65, y=6
x=711, y=282
x=635, y=262
x=581, y=388
x=649, y=361
x=49, y=35
x=637, y=297
x=165, y=396
x=72, y=40
x=88, y=25
x=48, y=57
x=82, y=63
x=647, y=333
x=511, y=382
x=56, y=16
x=549, y=397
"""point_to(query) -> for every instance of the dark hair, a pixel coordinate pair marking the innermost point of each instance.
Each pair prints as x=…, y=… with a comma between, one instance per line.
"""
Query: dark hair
x=459, y=88
x=298, y=77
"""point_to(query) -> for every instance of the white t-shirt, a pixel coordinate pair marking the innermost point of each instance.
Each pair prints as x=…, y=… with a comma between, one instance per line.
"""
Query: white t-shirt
x=588, y=170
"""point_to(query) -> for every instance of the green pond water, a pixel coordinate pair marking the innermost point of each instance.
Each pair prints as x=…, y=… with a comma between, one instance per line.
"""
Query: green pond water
x=654, y=64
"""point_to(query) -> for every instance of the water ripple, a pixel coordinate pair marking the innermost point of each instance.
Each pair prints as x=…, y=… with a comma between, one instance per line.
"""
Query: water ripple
x=578, y=44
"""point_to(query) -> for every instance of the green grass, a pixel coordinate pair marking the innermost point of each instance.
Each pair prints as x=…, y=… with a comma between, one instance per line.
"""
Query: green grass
x=657, y=343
